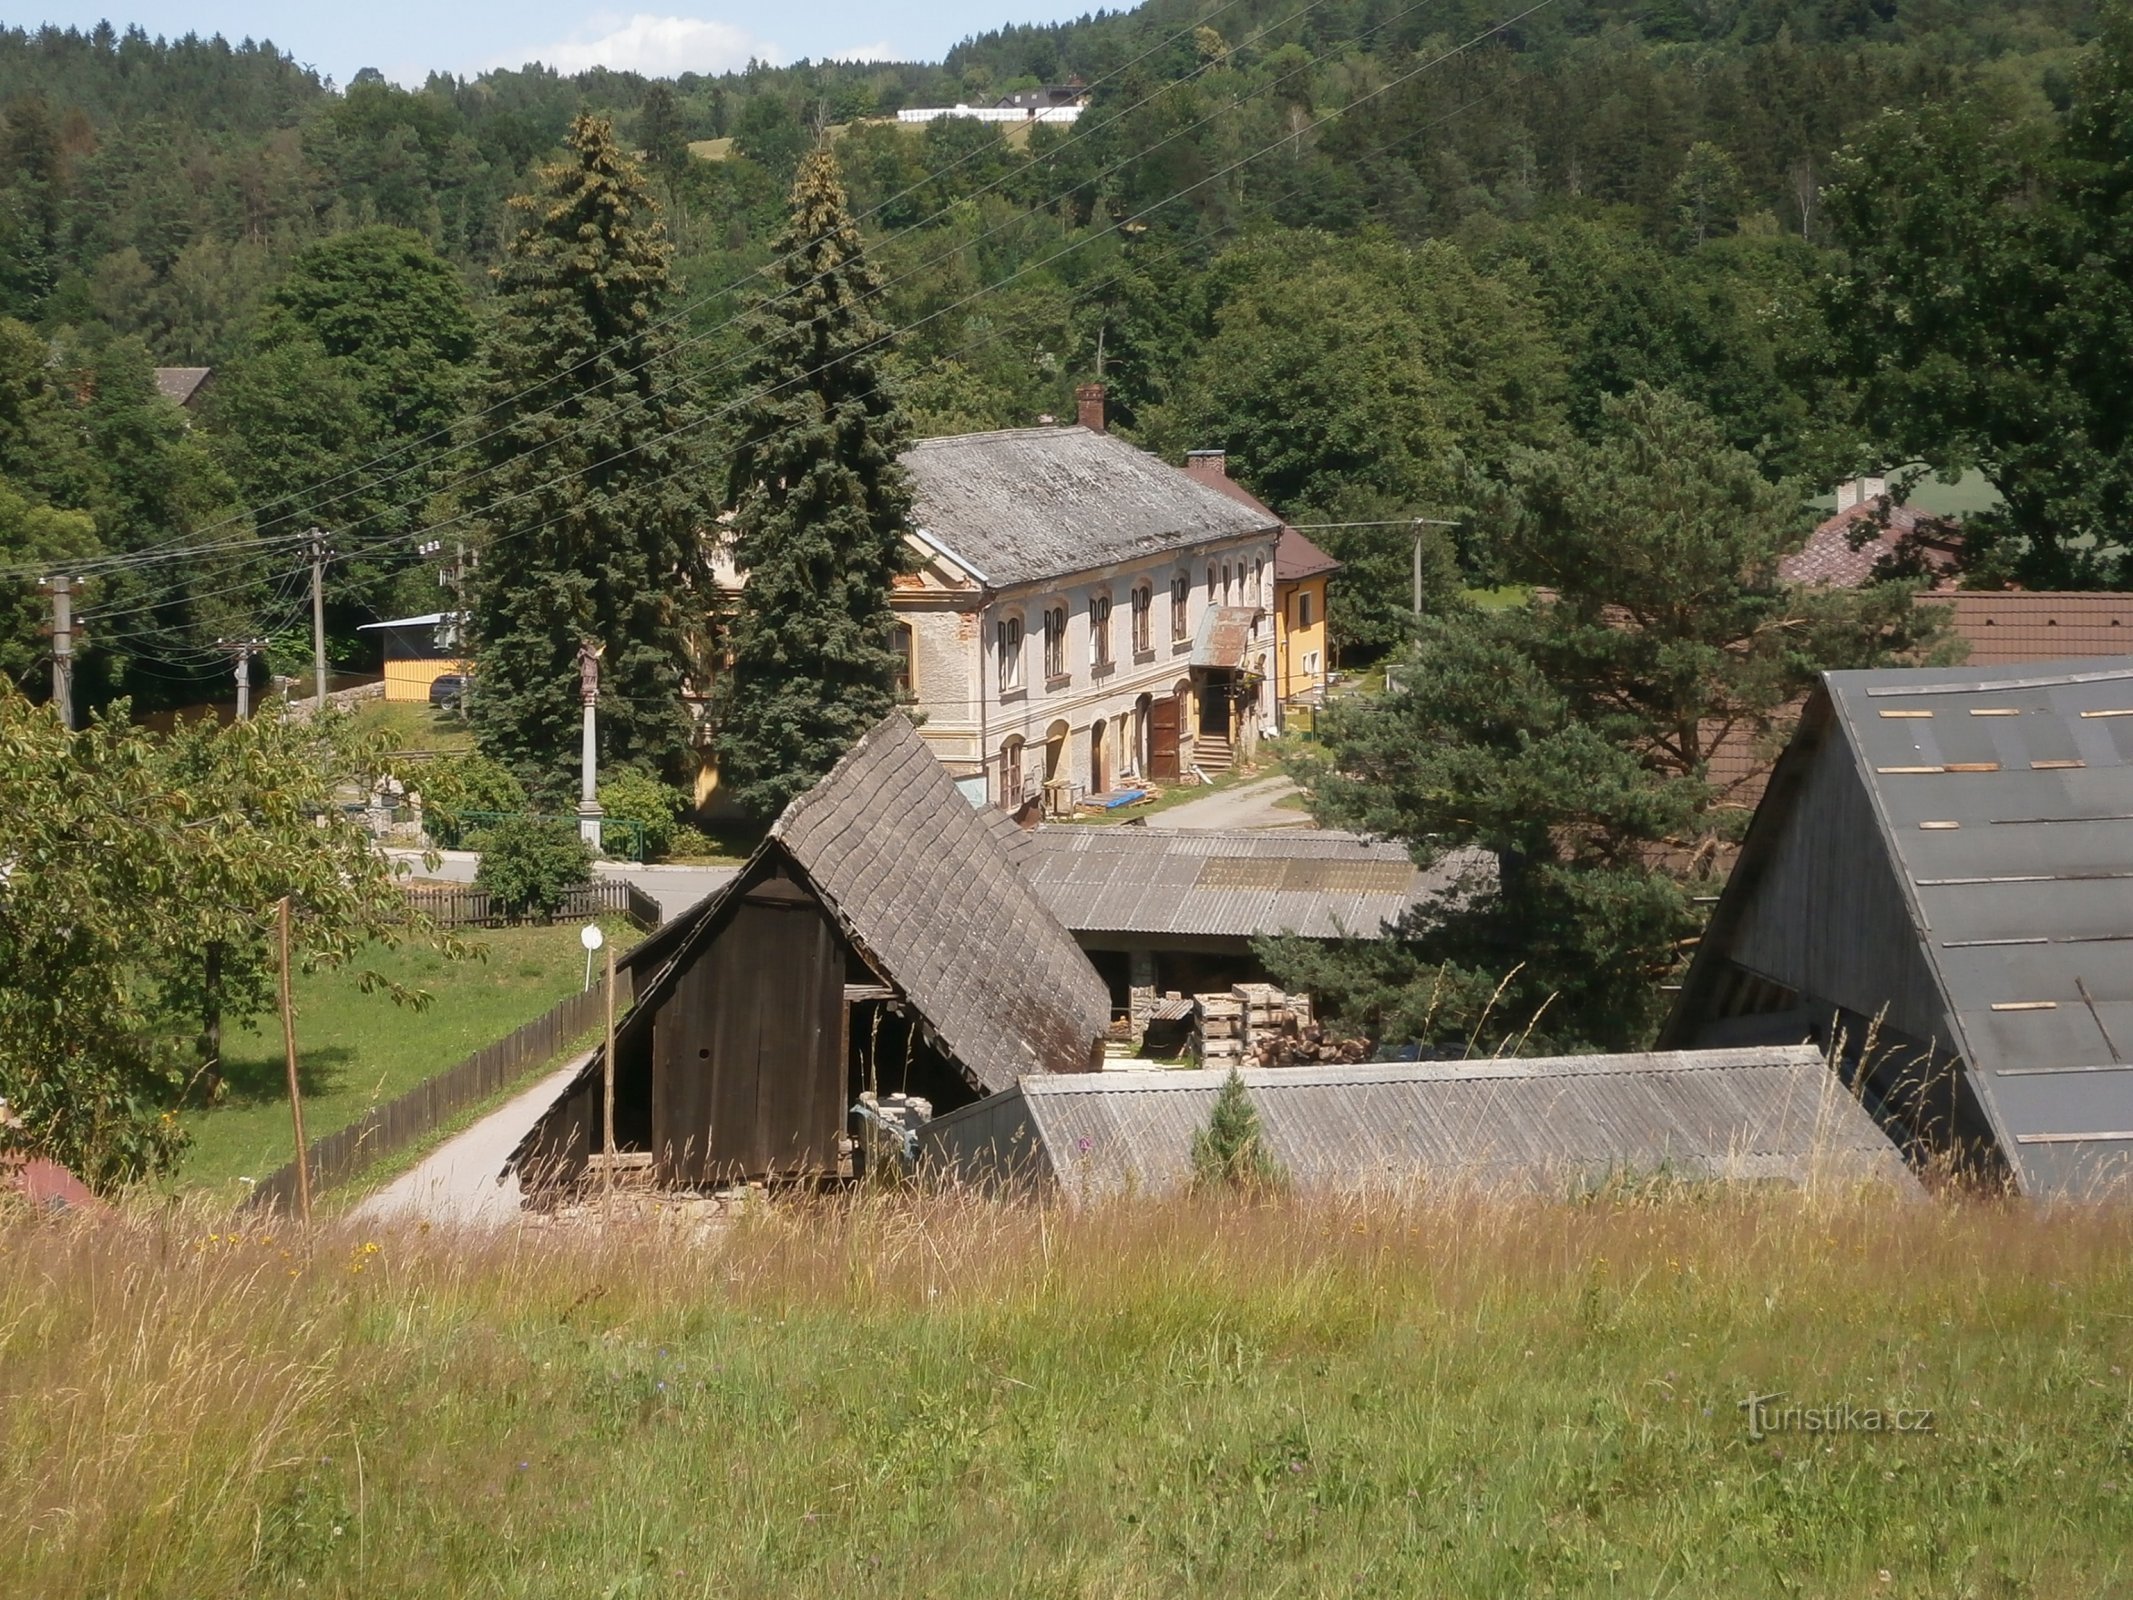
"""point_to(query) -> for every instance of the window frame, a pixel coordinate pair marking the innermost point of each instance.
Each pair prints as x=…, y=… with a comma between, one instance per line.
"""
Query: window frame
x=1180, y=607
x=1100, y=657
x=1007, y=642
x=1143, y=618
x=1055, y=650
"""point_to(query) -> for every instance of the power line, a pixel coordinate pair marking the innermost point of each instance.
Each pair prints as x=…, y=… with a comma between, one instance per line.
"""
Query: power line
x=1065, y=251
x=685, y=380
x=444, y=433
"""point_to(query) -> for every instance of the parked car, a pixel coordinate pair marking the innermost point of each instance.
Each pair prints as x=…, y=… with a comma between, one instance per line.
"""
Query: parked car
x=449, y=692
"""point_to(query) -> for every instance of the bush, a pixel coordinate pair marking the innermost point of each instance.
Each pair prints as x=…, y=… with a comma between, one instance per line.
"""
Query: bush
x=632, y=796
x=1228, y=1152
x=456, y=785
x=530, y=864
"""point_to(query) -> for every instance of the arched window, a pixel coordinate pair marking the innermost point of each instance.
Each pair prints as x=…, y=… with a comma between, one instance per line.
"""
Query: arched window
x=1011, y=773
x=1143, y=619
x=1100, y=630
x=1009, y=642
x=1055, y=642
x=1180, y=594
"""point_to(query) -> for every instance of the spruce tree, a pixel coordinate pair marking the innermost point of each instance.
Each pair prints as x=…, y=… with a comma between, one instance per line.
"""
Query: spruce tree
x=588, y=519
x=821, y=508
x=1230, y=1152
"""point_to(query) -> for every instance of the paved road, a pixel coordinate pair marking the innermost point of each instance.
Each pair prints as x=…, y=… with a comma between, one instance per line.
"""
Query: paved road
x=675, y=888
x=1249, y=805
x=456, y=1184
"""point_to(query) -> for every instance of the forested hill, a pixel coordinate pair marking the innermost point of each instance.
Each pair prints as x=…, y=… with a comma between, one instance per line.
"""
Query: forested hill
x=1373, y=246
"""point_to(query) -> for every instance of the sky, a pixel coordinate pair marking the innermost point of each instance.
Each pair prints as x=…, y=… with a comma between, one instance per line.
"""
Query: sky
x=407, y=39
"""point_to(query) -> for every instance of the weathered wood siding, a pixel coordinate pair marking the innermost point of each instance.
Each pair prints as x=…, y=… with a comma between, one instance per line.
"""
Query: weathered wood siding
x=1829, y=918
x=748, y=1048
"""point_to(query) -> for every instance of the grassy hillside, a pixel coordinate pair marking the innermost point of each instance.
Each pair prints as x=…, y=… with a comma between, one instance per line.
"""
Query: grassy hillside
x=943, y=1399
x=358, y=1050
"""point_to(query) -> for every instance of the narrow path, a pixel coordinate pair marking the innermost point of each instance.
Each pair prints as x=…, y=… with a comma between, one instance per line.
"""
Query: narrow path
x=1250, y=805
x=456, y=1183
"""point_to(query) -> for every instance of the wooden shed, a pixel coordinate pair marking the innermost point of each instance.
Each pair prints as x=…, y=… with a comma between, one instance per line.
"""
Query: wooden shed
x=1935, y=889
x=879, y=939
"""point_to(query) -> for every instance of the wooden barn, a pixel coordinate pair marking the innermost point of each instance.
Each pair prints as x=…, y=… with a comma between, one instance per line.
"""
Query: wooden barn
x=1936, y=890
x=879, y=939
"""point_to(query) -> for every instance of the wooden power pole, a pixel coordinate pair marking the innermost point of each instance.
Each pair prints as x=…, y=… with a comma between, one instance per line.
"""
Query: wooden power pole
x=62, y=647
x=296, y=1094
x=319, y=553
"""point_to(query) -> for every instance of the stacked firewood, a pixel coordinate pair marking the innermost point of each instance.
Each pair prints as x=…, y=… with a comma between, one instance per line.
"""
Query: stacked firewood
x=1306, y=1047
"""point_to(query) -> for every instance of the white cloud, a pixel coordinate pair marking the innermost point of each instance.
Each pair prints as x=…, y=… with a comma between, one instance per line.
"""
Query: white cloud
x=879, y=50
x=659, y=47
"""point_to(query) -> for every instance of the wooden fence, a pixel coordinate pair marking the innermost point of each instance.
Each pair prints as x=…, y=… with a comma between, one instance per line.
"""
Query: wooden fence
x=476, y=908
x=388, y=1129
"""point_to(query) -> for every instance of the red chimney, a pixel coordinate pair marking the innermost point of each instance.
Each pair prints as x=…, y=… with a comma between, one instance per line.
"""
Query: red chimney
x=1207, y=463
x=1089, y=399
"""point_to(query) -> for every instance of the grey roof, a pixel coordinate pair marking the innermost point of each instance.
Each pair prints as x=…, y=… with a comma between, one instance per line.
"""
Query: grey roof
x=2025, y=903
x=182, y=383
x=1770, y=1113
x=920, y=882
x=1160, y=880
x=1034, y=503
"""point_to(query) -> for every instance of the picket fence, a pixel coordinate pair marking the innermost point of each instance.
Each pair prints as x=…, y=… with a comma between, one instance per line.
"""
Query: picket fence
x=388, y=1129
x=476, y=908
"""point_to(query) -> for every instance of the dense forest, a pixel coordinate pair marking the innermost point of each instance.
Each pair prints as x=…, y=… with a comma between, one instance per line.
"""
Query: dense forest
x=1381, y=250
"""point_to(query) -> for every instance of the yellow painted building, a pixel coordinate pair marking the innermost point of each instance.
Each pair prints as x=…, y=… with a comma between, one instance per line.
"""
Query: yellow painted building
x=418, y=651
x=1301, y=653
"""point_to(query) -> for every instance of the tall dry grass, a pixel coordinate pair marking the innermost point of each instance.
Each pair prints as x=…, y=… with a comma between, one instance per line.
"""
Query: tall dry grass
x=947, y=1395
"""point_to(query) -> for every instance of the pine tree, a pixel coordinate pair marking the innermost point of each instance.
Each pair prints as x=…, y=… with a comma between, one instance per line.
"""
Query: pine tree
x=588, y=522
x=821, y=510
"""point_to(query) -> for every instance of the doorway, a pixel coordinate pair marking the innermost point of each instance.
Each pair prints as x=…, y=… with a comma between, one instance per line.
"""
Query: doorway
x=1214, y=704
x=1099, y=772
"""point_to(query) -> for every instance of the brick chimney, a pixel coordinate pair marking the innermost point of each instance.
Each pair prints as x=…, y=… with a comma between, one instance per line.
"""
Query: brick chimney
x=1207, y=463
x=1089, y=401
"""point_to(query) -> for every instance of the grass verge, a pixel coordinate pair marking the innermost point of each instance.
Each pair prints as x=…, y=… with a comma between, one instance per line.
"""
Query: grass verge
x=345, y=1197
x=950, y=1398
x=357, y=1050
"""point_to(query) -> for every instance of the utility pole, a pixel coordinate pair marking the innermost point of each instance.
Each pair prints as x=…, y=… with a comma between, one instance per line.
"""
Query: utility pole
x=241, y=652
x=288, y=1044
x=589, y=812
x=1419, y=524
x=319, y=553
x=452, y=575
x=62, y=591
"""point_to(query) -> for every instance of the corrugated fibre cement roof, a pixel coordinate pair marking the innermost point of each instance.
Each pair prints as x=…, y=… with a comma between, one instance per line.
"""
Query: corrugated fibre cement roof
x=1319, y=884
x=2006, y=795
x=1769, y=1114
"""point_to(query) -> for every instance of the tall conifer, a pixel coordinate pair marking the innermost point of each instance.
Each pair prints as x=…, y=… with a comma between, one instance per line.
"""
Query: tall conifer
x=821, y=510
x=589, y=519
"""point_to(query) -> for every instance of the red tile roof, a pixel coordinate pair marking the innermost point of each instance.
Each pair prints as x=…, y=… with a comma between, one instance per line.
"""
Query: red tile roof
x=1294, y=555
x=1297, y=557
x=44, y=1184
x=1908, y=540
x=2003, y=626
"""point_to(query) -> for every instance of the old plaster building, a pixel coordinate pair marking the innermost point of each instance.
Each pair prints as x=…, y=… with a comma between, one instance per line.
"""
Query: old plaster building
x=1083, y=614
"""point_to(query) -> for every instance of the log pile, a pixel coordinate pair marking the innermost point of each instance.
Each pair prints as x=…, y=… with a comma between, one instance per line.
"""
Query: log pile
x=1256, y=1024
x=1307, y=1047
